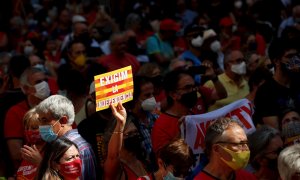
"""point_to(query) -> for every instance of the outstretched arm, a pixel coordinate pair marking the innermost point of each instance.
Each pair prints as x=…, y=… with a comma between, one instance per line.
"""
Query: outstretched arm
x=112, y=163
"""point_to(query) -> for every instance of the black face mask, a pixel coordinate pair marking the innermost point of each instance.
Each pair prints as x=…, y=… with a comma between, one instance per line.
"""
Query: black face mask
x=189, y=99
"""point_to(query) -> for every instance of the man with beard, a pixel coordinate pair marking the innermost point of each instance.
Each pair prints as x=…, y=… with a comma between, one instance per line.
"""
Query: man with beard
x=282, y=90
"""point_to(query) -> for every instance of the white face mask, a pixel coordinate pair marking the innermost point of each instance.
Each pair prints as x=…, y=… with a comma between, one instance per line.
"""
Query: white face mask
x=215, y=46
x=238, y=4
x=40, y=67
x=42, y=90
x=197, y=42
x=149, y=104
x=28, y=50
x=239, y=68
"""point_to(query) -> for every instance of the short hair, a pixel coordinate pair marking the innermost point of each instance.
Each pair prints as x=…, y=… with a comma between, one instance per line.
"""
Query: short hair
x=147, y=69
x=58, y=106
x=178, y=154
x=31, y=117
x=75, y=41
x=132, y=19
x=171, y=81
x=216, y=130
x=259, y=140
x=53, y=153
x=17, y=65
x=279, y=46
x=27, y=73
x=289, y=162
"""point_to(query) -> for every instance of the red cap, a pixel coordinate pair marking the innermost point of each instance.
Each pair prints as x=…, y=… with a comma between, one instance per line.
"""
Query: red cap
x=226, y=21
x=169, y=25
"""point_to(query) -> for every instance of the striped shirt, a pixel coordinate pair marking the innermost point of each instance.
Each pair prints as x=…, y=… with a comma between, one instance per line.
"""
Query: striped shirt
x=86, y=154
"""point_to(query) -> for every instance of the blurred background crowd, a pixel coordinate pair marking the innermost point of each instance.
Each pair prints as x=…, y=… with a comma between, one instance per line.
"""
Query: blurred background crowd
x=187, y=57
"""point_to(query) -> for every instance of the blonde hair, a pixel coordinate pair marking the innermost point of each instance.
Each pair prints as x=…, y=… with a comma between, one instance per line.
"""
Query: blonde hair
x=31, y=117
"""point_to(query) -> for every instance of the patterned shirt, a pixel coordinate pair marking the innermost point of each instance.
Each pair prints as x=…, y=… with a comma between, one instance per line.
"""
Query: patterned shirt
x=86, y=154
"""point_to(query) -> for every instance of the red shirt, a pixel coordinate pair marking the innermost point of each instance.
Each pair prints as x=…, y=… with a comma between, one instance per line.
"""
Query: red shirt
x=165, y=129
x=202, y=105
x=239, y=175
x=13, y=123
x=112, y=62
x=26, y=171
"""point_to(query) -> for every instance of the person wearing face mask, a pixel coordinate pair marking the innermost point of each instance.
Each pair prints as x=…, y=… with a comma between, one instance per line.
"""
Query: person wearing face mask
x=194, y=37
x=35, y=87
x=61, y=161
x=125, y=159
x=34, y=145
x=232, y=79
x=56, y=115
x=183, y=98
x=174, y=161
x=282, y=91
x=290, y=126
x=226, y=145
x=142, y=113
x=265, y=145
x=211, y=44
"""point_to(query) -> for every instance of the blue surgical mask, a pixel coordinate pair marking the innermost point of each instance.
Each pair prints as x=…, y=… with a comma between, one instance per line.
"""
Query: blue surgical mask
x=47, y=133
x=170, y=176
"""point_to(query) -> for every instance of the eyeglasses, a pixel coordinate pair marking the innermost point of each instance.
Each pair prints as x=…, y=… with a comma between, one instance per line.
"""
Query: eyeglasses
x=189, y=87
x=240, y=145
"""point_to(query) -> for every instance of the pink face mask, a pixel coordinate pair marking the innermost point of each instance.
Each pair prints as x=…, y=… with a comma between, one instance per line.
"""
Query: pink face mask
x=71, y=170
x=32, y=136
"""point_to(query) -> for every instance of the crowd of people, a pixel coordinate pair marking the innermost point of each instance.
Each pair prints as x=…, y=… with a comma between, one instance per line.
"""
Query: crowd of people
x=188, y=57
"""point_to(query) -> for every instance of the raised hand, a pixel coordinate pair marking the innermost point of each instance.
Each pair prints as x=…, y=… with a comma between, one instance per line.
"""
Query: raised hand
x=31, y=154
x=119, y=113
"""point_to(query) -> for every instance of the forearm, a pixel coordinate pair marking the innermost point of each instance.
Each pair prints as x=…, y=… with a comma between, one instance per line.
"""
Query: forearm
x=221, y=92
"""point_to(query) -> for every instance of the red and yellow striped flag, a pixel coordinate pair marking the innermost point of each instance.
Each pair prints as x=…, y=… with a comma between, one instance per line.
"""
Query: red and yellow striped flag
x=114, y=86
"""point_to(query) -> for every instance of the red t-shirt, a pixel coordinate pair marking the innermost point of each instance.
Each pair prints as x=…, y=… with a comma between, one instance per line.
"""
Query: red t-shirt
x=239, y=175
x=26, y=171
x=13, y=123
x=165, y=129
x=112, y=62
x=201, y=106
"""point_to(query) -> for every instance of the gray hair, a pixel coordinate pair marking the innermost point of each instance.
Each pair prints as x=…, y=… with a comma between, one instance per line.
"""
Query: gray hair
x=216, y=130
x=289, y=162
x=58, y=106
x=27, y=73
x=260, y=139
x=132, y=19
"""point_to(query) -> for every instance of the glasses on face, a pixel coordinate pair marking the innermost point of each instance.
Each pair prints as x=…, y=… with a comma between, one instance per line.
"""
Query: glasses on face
x=240, y=145
x=189, y=87
x=77, y=53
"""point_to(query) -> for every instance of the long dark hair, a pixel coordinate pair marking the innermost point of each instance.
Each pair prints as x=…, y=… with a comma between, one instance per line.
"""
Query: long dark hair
x=53, y=153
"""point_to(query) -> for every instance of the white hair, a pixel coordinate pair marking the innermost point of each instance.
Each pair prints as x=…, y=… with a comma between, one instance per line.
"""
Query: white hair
x=58, y=106
x=27, y=74
x=289, y=162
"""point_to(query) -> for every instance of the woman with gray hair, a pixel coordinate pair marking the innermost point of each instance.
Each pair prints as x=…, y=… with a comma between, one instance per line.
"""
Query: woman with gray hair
x=289, y=163
x=265, y=145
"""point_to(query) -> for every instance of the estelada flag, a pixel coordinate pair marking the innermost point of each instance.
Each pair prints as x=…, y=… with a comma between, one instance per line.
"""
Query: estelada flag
x=114, y=86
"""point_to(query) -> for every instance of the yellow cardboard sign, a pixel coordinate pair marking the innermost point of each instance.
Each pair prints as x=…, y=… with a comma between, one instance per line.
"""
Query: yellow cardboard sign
x=114, y=86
